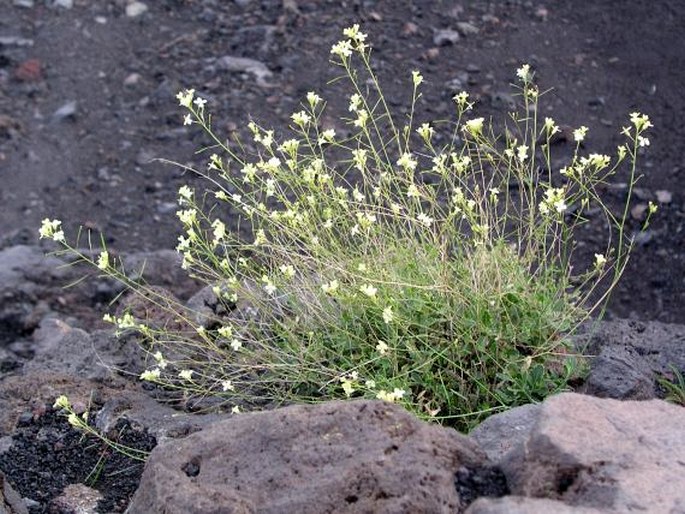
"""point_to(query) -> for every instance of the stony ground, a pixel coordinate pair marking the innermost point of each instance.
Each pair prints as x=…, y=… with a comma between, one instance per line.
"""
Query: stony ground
x=87, y=102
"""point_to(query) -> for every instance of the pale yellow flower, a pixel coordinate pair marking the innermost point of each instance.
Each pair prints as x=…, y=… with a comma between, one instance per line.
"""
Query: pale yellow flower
x=103, y=260
x=369, y=290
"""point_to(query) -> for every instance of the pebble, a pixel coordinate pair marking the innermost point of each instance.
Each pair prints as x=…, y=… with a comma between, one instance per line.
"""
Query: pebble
x=135, y=9
x=29, y=71
x=23, y=3
x=68, y=110
x=467, y=29
x=663, y=196
x=15, y=41
x=132, y=79
x=445, y=37
x=65, y=4
x=541, y=13
x=638, y=211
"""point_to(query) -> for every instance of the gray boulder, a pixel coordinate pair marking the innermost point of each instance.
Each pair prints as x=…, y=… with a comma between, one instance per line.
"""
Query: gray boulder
x=359, y=456
x=602, y=454
x=629, y=357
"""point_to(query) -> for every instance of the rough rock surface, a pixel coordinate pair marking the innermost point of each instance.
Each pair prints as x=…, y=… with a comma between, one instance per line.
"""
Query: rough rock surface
x=10, y=500
x=501, y=433
x=522, y=505
x=601, y=453
x=337, y=457
x=631, y=356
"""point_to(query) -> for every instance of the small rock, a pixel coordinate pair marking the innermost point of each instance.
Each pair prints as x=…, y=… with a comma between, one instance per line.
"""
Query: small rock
x=246, y=65
x=432, y=53
x=410, y=29
x=638, y=211
x=101, y=20
x=663, y=196
x=445, y=37
x=68, y=110
x=132, y=79
x=15, y=41
x=64, y=4
x=135, y=9
x=10, y=500
x=76, y=499
x=541, y=13
x=29, y=71
x=467, y=29
x=23, y=3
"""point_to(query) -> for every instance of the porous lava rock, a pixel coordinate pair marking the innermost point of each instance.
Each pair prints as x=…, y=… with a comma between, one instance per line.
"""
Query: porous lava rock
x=616, y=456
x=358, y=456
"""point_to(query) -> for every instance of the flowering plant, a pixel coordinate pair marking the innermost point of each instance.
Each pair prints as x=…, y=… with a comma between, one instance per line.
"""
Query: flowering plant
x=427, y=264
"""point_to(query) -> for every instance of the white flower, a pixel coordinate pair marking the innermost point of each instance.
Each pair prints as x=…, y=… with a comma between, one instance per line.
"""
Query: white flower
x=426, y=132
x=200, y=102
x=551, y=127
x=185, y=193
x=368, y=290
x=382, y=348
x=150, y=375
x=355, y=102
x=331, y=287
x=269, y=287
x=359, y=157
x=185, y=98
x=186, y=374
x=313, y=98
x=417, y=78
x=462, y=100
x=62, y=402
x=235, y=410
x=395, y=395
x=407, y=161
x=301, y=118
x=579, y=134
x=347, y=386
x=522, y=153
x=641, y=121
x=600, y=261
x=327, y=136
x=342, y=49
x=524, y=73
x=103, y=260
x=362, y=118
x=188, y=119
x=287, y=270
x=51, y=229
x=642, y=141
x=413, y=191
x=388, y=314
x=474, y=126
x=236, y=345
x=424, y=219
x=225, y=331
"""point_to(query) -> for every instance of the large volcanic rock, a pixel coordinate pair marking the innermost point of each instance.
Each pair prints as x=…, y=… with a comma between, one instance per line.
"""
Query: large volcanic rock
x=361, y=456
x=591, y=453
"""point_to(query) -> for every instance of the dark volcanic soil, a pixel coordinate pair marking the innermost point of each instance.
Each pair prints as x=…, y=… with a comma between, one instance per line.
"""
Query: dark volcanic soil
x=88, y=162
